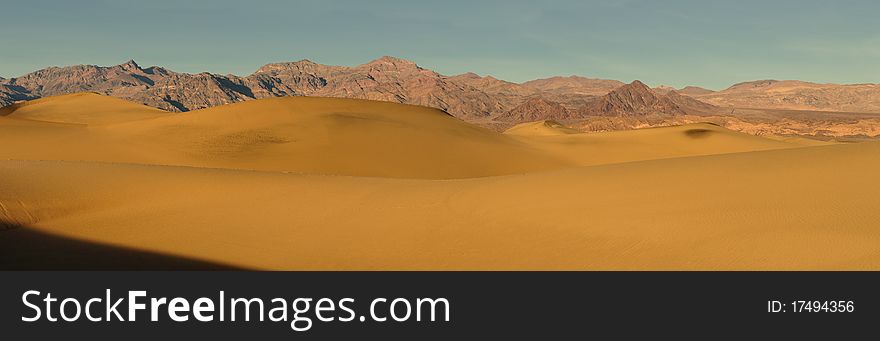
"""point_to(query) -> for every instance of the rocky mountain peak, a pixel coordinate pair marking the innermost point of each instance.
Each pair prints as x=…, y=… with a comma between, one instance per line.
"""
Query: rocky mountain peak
x=636, y=85
x=694, y=91
x=299, y=66
x=635, y=93
x=388, y=62
x=130, y=65
x=467, y=75
x=634, y=99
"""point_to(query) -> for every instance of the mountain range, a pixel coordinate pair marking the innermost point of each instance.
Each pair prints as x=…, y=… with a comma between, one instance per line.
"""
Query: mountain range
x=483, y=100
x=467, y=96
x=798, y=95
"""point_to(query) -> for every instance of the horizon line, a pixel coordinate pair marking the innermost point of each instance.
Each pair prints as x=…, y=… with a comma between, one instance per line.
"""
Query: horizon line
x=131, y=60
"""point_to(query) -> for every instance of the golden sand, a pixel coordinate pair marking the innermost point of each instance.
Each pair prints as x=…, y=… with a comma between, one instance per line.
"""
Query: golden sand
x=339, y=184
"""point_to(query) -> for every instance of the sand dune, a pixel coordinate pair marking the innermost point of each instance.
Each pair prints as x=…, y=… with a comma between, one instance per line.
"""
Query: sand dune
x=759, y=210
x=295, y=134
x=644, y=144
x=257, y=185
x=344, y=137
x=81, y=108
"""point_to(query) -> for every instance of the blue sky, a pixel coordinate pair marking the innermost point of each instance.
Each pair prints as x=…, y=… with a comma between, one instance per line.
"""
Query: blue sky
x=706, y=43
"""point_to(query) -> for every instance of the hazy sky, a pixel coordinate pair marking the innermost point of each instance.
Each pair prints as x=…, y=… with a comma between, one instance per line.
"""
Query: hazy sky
x=707, y=43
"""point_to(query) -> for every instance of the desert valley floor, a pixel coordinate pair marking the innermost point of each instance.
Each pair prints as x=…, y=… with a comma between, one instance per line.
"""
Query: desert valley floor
x=93, y=182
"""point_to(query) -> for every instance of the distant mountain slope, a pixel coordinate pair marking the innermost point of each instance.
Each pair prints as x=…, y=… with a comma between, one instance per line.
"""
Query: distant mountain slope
x=791, y=94
x=687, y=91
x=689, y=104
x=574, y=85
x=154, y=86
x=387, y=79
x=537, y=109
x=694, y=91
x=637, y=99
x=10, y=94
x=467, y=96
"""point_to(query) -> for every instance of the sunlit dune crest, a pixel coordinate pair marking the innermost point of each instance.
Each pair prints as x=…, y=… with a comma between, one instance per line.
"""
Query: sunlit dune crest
x=81, y=108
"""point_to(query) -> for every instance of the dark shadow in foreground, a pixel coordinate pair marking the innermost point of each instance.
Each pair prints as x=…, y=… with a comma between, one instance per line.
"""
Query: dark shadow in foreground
x=22, y=248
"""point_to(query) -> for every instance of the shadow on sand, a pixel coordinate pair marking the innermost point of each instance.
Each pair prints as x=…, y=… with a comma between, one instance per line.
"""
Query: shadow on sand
x=23, y=248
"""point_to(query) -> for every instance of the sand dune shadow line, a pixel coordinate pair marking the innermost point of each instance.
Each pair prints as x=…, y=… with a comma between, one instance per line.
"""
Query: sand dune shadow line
x=24, y=248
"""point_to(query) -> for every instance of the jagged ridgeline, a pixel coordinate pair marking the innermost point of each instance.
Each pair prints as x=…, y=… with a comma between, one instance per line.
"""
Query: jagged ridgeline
x=587, y=104
x=467, y=96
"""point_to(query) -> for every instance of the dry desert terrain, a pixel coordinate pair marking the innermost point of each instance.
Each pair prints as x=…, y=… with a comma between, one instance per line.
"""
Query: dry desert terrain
x=305, y=183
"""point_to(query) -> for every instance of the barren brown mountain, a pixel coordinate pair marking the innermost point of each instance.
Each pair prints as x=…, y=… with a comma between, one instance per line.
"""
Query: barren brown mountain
x=690, y=105
x=798, y=95
x=537, y=109
x=687, y=91
x=637, y=99
x=494, y=86
x=9, y=94
x=574, y=85
x=694, y=91
x=467, y=96
x=636, y=106
x=584, y=103
x=153, y=86
x=508, y=94
x=387, y=78
x=663, y=89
